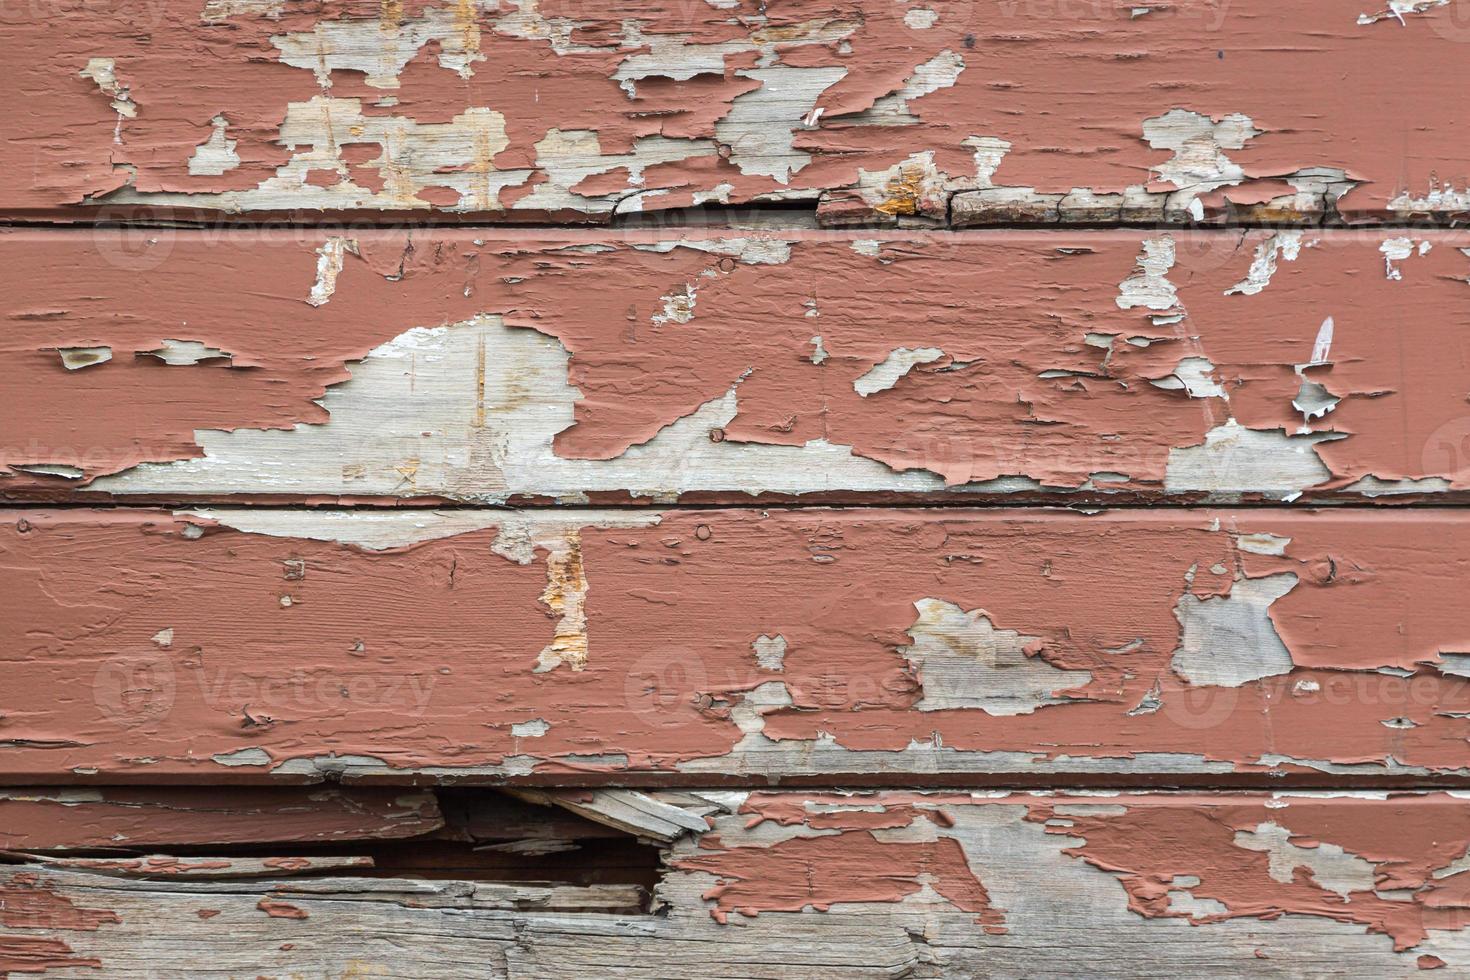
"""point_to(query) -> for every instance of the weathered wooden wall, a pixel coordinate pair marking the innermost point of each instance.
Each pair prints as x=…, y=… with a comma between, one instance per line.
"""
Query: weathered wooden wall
x=790, y=884
x=716, y=488
x=673, y=646
x=1001, y=110
x=470, y=365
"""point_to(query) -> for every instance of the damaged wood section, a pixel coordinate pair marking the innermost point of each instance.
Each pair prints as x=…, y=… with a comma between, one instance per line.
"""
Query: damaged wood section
x=735, y=646
x=827, y=884
x=975, y=111
x=469, y=366
x=69, y=818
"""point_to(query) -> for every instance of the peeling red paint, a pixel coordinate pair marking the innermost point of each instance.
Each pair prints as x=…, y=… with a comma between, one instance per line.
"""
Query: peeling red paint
x=1314, y=679
x=1381, y=861
x=855, y=866
x=1403, y=849
x=650, y=71
x=41, y=819
x=37, y=954
x=26, y=902
x=281, y=910
x=1088, y=393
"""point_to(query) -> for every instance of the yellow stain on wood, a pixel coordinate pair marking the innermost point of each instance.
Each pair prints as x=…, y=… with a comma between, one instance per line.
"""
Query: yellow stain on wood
x=467, y=25
x=390, y=15
x=566, y=597
x=903, y=192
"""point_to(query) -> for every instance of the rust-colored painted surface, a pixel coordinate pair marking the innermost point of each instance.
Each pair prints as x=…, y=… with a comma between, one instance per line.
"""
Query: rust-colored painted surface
x=857, y=884
x=42, y=819
x=880, y=110
x=734, y=643
x=1391, y=865
x=809, y=365
x=485, y=482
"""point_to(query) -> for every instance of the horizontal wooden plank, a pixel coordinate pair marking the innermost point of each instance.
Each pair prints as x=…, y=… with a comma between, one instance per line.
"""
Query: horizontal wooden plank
x=890, y=884
x=539, y=366
x=85, y=818
x=627, y=647
x=1012, y=110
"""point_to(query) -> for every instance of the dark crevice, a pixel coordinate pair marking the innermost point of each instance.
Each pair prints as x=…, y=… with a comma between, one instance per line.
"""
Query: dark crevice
x=766, y=216
x=1420, y=504
x=487, y=837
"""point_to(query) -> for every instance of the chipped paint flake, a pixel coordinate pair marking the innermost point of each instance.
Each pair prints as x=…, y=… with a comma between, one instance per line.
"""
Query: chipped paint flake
x=76, y=358
x=899, y=362
x=963, y=661
x=1149, y=286
x=215, y=155
x=329, y=259
x=566, y=597
x=770, y=652
x=1331, y=867
x=1229, y=640
x=1397, y=250
x=183, y=353
x=760, y=126
x=1281, y=246
x=1235, y=459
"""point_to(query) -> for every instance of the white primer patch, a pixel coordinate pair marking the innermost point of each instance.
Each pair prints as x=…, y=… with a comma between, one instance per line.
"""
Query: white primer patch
x=899, y=362
x=1283, y=245
x=329, y=259
x=1194, y=376
x=215, y=155
x=1233, y=459
x=76, y=358
x=963, y=661
x=1397, y=250
x=1331, y=867
x=678, y=306
x=375, y=441
x=1199, y=163
x=1149, y=286
x=770, y=652
x=1227, y=641
x=103, y=72
x=760, y=126
x=920, y=18
x=182, y=353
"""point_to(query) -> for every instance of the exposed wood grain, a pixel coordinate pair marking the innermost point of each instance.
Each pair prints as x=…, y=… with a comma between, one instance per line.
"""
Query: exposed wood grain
x=883, y=884
x=497, y=601
x=60, y=818
x=1040, y=111
x=801, y=366
x=198, y=866
x=631, y=812
x=615, y=646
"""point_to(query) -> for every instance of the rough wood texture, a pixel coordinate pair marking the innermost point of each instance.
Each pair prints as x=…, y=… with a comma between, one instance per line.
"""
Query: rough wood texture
x=633, y=813
x=1011, y=111
x=821, y=885
x=392, y=591
x=613, y=646
x=60, y=818
x=471, y=366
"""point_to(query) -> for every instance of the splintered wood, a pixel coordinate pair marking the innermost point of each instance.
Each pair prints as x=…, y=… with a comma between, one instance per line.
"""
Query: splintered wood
x=838, y=488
